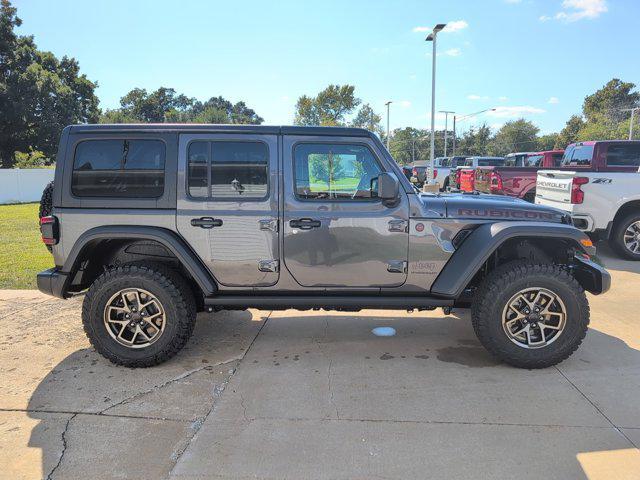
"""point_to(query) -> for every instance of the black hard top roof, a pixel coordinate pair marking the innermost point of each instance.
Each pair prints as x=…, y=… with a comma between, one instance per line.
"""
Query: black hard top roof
x=211, y=128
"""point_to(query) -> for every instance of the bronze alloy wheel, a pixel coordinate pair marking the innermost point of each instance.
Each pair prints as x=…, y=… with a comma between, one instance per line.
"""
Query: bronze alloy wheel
x=134, y=318
x=534, y=317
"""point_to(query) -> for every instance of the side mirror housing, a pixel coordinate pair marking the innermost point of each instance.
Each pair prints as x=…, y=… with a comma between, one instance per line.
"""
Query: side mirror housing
x=388, y=186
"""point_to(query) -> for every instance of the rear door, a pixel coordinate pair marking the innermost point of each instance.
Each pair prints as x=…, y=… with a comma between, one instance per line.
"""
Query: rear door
x=336, y=233
x=228, y=205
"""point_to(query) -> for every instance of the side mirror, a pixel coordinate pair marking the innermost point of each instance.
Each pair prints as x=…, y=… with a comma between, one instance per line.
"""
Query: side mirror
x=386, y=186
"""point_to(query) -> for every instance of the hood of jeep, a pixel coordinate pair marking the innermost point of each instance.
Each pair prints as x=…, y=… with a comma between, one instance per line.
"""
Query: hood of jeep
x=494, y=207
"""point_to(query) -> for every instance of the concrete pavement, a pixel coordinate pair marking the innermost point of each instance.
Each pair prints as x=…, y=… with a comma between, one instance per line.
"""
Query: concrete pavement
x=317, y=395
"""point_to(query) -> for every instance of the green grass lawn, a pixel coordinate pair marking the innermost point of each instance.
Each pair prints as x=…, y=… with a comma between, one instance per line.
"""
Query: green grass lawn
x=22, y=253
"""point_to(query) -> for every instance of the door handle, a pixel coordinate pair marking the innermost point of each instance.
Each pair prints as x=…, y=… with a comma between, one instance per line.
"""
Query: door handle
x=305, y=223
x=206, y=222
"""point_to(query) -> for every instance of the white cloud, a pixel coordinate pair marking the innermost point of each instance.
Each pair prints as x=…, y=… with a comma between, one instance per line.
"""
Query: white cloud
x=453, y=52
x=515, y=112
x=404, y=103
x=574, y=10
x=477, y=97
x=413, y=76
x=553, y=100
x=453, y=26
x=503, y=99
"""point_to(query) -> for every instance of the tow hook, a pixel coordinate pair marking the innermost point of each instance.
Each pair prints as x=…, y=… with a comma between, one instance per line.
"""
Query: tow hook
x=447, y=310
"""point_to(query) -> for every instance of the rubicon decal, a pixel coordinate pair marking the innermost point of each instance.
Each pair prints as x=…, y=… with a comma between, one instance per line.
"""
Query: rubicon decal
x=499, y=213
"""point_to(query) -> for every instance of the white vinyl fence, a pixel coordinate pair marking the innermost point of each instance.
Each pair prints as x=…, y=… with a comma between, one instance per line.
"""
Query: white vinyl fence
x=22, y=186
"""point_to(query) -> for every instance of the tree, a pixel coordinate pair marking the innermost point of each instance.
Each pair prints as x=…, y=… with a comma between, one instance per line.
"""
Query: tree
x=475, y=141
x=513, y=136
x=326, y=168
x=39, y=93
x=609, y=102
x=367, y=118
x=408, y=145
x=327, y=108
x=548, y=141
x=569, y=133
x=166, y=105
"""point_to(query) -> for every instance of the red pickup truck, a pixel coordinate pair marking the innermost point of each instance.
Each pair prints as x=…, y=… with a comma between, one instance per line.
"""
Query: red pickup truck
x=516, y=181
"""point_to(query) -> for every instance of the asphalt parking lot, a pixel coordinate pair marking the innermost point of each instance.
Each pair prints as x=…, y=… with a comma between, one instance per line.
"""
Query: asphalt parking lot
x=259, y=394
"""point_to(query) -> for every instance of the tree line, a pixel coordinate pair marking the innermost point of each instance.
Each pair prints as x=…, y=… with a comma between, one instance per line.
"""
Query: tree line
x=605, y=116
x=41, y=94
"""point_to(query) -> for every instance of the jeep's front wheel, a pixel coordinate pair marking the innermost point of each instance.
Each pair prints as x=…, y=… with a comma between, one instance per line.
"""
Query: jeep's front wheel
x=138, y=316
x=530, y=316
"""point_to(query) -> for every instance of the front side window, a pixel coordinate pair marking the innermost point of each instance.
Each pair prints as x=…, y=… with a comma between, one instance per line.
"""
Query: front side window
x=119, y=168
x=623, y=155
x=335, y=172
x=228, y=170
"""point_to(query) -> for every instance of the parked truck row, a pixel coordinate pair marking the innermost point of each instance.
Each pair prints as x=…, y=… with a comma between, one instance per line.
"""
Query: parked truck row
x=596, y=182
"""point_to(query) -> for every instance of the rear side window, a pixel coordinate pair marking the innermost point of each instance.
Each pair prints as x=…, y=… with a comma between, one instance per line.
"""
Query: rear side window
x=119, y=168
x=534, y=161
x=491, y=162
x=335, y=172
x=580, y=156
x=556, y=158
x=228, y=170
x=623, y=155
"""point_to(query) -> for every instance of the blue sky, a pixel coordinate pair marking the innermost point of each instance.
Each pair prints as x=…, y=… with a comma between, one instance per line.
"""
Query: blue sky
x=532, y=58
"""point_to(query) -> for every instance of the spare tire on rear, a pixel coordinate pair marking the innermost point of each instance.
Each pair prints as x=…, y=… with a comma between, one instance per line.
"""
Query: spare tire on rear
x=46, y=201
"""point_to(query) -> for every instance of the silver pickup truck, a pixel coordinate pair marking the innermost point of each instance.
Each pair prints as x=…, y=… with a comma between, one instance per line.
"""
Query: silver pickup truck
x=154, y=223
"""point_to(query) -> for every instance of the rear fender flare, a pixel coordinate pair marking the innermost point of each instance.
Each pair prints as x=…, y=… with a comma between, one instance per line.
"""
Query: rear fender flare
x=170, y=240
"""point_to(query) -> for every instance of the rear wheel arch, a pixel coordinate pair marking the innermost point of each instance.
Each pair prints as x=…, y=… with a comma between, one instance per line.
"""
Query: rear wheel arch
x=105, y=247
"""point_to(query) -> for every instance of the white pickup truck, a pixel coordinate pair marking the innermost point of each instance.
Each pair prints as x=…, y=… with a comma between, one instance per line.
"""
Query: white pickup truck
x=599, y=185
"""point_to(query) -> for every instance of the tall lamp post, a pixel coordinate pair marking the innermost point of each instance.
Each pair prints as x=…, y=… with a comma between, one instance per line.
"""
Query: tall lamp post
x=387, y=104
x=633, y=111
x=432, y=38
x=462, y=117
x=446, y=121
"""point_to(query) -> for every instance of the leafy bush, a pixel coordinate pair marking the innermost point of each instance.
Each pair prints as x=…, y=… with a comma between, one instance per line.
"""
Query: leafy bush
x=33, y=159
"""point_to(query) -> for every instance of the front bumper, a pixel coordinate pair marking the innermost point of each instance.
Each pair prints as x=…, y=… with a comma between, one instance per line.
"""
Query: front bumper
x=53, y=282
x=593, y=277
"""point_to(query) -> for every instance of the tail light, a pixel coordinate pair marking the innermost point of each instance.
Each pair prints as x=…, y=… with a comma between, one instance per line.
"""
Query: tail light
x=414, y=172
x=435, y=173
x=458, y=173
x=49, y=230
x=577, y=195
x=495, y=182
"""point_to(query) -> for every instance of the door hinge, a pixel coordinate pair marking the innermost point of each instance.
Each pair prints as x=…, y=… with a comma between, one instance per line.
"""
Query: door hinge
x=268, y=224
x=397, y=266
x=398, y=226
x=268, y=265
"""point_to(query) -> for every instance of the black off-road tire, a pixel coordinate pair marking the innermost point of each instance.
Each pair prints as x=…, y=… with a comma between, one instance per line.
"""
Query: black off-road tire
x=167, y=286
x=46, y=201
x=616, y=240
x=504, y=282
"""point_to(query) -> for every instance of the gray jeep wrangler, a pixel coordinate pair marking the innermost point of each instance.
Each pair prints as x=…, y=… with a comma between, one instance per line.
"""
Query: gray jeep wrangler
x=155, y=223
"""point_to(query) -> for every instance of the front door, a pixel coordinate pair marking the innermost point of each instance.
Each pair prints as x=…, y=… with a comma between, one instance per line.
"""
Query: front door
x=228, y=205
x=336, y=232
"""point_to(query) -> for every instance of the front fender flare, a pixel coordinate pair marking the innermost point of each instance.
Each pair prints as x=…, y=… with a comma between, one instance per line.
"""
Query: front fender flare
x=485, y=239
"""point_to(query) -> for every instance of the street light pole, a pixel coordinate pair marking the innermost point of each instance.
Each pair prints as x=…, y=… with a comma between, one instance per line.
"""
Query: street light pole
x=432, y=38
x=387, y=104
x=633, y=111
x=446, y=122
x=461, y=117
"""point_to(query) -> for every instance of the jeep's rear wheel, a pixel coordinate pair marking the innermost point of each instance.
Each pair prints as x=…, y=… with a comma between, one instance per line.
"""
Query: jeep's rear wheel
x=139, y=316
x=530, y=316
x=625, y=236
